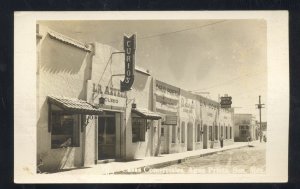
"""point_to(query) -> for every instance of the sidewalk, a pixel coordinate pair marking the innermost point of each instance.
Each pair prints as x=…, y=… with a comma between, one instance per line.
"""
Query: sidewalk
x=149, y=162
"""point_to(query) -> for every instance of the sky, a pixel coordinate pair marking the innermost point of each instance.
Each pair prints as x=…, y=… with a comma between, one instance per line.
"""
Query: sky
x=209, y=57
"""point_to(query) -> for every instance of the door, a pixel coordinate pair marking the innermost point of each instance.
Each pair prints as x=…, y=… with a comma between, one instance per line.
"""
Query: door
x=205, y=137
x=190, y=137
x=164, y=136
x=106, y=137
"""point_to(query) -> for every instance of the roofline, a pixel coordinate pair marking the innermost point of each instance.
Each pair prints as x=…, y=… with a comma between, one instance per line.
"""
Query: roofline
x=69, y=41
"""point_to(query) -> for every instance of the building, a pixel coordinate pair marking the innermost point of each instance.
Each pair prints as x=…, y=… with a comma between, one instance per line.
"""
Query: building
x=245, y=127
x=83, y=118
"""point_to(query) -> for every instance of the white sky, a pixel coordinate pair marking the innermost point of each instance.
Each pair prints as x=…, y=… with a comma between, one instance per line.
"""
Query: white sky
x=215, y=56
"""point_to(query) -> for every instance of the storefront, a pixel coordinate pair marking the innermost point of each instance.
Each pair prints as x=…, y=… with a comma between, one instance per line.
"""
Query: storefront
x=166, y=101
x=245, y=127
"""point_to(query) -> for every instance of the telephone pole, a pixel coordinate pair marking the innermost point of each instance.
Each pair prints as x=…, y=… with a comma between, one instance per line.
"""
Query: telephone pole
x=260, y=106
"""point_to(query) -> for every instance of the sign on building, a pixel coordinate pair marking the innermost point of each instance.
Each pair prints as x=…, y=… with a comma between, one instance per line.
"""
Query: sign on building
x=226, y=102
x=129, y=48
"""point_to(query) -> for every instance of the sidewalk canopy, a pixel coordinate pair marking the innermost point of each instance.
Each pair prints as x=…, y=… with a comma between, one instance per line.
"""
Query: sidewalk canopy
x=74, y=105
x=147, y=114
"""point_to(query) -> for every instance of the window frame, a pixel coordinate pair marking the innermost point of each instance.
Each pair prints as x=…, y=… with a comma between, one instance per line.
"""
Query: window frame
x=74, y=134
x=141, y=130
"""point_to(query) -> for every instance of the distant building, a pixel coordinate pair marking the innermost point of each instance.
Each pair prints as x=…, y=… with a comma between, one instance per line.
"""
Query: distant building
x=244, y=127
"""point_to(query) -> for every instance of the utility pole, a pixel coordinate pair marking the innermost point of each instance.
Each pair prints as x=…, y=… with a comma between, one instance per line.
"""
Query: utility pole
x=260, y=106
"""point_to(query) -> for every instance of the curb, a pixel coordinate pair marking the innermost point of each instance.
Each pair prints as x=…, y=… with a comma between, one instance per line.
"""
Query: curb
x=177, y=161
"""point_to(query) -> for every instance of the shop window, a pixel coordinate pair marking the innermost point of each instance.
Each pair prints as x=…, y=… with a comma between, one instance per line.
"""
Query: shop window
x=216, y=132
x=162, y=131
x=174, y=134
x=182, y=132
x=64, y=130
x=138, y=129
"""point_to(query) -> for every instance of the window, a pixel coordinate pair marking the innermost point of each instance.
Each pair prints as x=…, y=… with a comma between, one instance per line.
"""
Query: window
x=162, y=131
x=247, y=127
x=243, y=132
x=138, y=129
x=210, y=136
x=226, y=132
x=216, y=132
x=230, y=132
x=182, y=132
x=174, y=134
x=65, y=130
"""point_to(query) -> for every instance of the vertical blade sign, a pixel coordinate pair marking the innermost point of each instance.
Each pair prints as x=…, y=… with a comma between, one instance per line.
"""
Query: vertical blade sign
x=129, y=47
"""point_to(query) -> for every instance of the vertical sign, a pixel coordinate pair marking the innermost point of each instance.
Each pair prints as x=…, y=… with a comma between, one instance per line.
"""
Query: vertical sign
x=129, y=47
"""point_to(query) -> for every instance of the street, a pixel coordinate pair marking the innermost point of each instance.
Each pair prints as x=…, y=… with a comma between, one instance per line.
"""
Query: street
x=246, y=160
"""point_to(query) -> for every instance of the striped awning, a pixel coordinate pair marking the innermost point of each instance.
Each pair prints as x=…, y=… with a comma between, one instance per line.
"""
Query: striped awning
x=147, y=114
x=74, y=105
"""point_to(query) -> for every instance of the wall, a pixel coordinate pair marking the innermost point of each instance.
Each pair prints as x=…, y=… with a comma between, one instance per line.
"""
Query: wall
x=62, y=70
x=142, y=94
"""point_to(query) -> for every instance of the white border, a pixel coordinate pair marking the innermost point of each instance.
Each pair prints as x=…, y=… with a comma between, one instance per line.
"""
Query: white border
x=25, y=96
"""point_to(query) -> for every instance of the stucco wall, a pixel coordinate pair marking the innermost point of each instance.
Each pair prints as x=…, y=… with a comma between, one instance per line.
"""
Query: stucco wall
x=62, y=70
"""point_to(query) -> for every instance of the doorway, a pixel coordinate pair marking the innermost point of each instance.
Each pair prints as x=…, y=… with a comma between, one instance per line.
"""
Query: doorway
x=205, y=137
x=190, y=136
x=107, y=136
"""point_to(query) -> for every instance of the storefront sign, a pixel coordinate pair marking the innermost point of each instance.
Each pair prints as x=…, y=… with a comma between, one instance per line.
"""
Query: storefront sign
x=167, y=98
x=170, y=120
x=226, y=102
x=111, y=96
x=187, y=107
x=129, y=48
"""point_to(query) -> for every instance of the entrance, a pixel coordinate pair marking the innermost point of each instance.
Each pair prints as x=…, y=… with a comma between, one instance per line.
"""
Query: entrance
x=205, y=137
x=107, y=136
x=190, y=136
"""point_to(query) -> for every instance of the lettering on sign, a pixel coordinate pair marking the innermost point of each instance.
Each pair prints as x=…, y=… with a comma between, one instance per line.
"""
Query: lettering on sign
x=129, y=48
x=98, y=89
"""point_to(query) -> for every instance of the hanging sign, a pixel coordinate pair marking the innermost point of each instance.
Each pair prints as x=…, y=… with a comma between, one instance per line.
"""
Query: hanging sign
x=226, y=102
x=129, y=48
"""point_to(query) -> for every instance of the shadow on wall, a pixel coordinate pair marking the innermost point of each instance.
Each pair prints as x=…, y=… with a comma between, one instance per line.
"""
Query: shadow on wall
x=140, y=81
x=59, y=57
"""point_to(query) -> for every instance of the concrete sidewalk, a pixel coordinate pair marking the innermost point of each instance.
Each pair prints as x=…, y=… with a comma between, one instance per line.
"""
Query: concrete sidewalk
x=136, y=166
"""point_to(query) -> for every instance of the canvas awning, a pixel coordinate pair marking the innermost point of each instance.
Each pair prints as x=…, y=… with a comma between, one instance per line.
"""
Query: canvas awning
x=147, y=114
x=74, y=105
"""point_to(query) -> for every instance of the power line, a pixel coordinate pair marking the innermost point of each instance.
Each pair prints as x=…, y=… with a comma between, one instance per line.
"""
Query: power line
x=230, y=81
x=173, y=32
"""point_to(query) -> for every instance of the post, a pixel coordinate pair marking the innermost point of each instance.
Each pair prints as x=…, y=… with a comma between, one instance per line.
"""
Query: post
x=260, y=137
x=260, y=106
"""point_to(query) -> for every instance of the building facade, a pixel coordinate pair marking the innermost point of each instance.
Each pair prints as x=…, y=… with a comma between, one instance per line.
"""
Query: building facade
x=83, y=118
x=245, y=127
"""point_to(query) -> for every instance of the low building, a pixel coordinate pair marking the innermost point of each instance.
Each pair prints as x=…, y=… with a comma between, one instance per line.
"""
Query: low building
x=244, y=128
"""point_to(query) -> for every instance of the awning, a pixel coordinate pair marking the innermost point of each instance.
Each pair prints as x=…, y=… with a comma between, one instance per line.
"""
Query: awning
x=147, y=114
x=74, y=105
